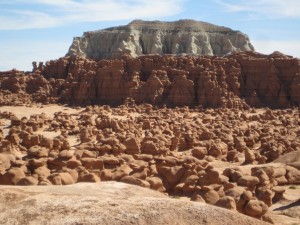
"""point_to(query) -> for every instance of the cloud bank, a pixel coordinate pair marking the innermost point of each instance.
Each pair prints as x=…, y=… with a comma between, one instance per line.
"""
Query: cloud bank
x=33, y=14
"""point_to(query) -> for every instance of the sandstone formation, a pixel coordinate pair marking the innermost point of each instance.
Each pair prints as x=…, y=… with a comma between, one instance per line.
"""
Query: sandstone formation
x=238, y=80
x=155, y=37
x=107, y=203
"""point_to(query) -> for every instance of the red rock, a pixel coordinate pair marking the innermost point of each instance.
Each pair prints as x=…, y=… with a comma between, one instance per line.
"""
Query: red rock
x=61, y=179
x=201, y=80
x=199, y=152
x=38, y=152
x=92, y=163
x=171, y=174
x=227, y=202
x=27, y=181
x=156, y=183
x=132, y=146
x=248, y=181
x=90, y=177
x=210, y=196
x=255, y=208
x=12, y=176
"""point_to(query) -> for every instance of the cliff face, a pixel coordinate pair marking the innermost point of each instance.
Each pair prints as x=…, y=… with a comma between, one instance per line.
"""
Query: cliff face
x=235, y=81
x=144, y=37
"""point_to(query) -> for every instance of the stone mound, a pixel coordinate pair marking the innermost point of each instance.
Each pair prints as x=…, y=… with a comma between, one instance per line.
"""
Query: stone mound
x=156, y=37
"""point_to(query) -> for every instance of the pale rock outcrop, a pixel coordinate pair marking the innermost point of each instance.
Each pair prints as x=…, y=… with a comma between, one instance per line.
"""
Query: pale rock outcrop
x=155, y=37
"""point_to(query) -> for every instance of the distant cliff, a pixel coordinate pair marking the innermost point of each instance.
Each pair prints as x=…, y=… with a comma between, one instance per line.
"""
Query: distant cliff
x=155, y=37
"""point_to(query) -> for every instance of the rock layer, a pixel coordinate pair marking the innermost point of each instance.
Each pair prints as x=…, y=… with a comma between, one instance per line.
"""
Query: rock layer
x=155, y=37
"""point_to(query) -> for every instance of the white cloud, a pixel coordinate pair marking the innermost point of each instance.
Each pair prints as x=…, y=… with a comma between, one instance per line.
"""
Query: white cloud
x=50, y=13
x=271, y=9
x=287, y=47
x=26, y=19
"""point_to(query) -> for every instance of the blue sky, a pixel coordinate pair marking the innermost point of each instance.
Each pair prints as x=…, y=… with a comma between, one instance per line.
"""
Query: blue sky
x=40, y=30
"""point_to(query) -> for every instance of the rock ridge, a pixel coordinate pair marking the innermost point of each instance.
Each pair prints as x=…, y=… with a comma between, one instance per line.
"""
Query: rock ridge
x=239, y=80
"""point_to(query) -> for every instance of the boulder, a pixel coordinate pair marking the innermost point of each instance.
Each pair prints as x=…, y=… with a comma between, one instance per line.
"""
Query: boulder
x=171, y=174
x=248, y=181
x=28, y=181
x=226, y=202
x=293, y=175
x=132, y=146
x=38, y=152
x=199, y=152
x=12, y=176
x=89, y=177
x=92, y=163
x=255, y=208
x=210, y=196
x=61, y=179
x=6, y=161
x=156, y=183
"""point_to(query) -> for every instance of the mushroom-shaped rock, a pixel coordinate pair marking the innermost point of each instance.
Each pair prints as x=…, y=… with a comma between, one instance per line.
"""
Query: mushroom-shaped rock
x=279, y=191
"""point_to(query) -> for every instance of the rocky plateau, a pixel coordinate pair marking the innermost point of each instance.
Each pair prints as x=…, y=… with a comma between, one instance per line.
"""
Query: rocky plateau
x=156, y=37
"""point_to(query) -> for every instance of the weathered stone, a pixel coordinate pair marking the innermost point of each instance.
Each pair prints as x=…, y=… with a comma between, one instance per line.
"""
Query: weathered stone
x=195, y=38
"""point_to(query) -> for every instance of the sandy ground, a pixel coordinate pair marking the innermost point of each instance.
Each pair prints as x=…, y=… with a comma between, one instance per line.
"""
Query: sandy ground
x=49, y=110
